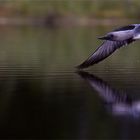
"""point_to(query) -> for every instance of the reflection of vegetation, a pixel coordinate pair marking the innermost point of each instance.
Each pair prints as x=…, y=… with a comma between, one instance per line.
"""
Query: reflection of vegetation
x=40, y=95
x=92, y=8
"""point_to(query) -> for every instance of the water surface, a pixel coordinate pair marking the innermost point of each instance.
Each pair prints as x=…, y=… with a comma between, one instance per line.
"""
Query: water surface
x=42, y=96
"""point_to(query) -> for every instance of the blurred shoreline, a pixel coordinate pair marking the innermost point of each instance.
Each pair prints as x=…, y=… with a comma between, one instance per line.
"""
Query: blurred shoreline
x=68, y=12
x=63, y=21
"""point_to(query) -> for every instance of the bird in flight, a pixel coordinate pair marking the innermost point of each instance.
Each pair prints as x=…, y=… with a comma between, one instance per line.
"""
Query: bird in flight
x=113, y=41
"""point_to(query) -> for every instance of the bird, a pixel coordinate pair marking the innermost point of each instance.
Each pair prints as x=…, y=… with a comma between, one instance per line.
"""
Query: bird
x=112, y=41
x=117, y=102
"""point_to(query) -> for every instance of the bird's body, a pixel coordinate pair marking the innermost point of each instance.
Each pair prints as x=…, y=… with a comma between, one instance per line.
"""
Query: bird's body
x=113, y=40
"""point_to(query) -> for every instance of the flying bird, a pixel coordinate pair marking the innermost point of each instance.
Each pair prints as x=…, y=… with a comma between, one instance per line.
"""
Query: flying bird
x=113, y=41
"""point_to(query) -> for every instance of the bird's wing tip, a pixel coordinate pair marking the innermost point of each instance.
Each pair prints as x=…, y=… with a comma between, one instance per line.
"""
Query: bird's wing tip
x=80, y=67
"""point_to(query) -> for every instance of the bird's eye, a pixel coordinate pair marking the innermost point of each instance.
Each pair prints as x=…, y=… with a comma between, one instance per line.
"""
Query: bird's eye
x=111, y=35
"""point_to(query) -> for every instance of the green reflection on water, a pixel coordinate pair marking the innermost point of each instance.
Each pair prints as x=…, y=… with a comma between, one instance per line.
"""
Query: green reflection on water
x=42, y=97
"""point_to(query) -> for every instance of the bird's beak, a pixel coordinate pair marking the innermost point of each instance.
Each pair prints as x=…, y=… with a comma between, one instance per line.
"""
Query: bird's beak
x=105, y=37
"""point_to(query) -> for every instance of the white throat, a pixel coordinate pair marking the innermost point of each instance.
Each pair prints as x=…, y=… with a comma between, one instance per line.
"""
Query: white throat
x=137, y=37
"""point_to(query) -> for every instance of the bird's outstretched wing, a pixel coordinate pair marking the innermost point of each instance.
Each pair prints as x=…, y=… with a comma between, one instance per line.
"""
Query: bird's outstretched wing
x=106, y=49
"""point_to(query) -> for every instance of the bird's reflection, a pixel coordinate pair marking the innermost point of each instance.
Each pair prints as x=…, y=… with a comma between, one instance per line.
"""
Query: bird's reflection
x=117, y=102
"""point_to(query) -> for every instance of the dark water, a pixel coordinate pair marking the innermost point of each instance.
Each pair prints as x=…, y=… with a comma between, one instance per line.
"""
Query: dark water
x=42, y=96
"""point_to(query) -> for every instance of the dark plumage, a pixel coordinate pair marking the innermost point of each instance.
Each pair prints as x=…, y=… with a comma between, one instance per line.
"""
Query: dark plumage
x=113, y=41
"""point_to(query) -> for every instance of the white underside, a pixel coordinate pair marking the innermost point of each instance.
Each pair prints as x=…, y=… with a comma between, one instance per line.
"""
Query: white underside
x=137, y=37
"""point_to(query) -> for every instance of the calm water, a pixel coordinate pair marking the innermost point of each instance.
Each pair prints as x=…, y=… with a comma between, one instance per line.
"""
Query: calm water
x=42, y=95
